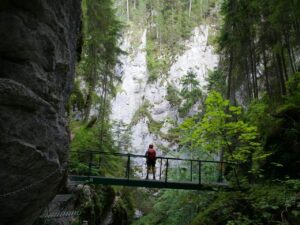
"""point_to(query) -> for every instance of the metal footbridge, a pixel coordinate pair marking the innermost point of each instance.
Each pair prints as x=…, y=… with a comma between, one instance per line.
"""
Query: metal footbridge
x=130, y=170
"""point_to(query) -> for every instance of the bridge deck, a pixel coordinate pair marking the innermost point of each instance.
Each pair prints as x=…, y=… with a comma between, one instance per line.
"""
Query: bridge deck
x=147, y=183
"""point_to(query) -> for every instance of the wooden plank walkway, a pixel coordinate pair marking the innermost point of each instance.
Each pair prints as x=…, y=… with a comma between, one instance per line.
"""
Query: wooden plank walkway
x=148, y=183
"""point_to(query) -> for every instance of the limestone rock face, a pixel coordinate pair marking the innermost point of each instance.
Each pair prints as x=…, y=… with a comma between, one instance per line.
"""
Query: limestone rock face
x=38, y=44
x=199, y=56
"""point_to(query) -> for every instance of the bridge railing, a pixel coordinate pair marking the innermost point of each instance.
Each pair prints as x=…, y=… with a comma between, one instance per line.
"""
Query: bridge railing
x=132, y=166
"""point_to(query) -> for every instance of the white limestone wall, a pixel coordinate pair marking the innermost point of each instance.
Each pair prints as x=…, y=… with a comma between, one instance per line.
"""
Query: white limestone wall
x=134, y=78
x=198, y=56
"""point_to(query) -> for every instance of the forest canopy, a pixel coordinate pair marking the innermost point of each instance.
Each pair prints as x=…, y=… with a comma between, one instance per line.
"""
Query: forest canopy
x=248, y=111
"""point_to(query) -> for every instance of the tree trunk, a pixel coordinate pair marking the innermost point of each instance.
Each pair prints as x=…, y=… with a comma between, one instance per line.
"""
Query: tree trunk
x=88, y=105
x=267, y=84
x=102, y=118
x=127, y=7
x=284, y=64
x=229, y=78
x=281, y=75
x=297, y=28
x=288, y=47
x=91, y=82
x=253, y=68
x=103, y=105
x=190, y=8
x=248, y=81
x=294, y=59
x=160, y=40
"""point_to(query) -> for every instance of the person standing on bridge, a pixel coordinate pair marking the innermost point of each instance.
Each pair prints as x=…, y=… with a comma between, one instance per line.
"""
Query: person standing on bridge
x=151, y=159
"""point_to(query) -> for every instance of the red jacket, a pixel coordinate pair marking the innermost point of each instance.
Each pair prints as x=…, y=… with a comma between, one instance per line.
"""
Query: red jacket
x=151, y=153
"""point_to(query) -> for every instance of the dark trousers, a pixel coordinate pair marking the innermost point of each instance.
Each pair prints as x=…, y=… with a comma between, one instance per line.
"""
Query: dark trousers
x=151, y=167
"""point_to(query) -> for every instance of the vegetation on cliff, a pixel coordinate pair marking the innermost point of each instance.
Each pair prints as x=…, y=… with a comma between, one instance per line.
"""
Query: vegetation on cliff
x=89, y=109
x=168, y=24
x=251, y=107
x=258, y=125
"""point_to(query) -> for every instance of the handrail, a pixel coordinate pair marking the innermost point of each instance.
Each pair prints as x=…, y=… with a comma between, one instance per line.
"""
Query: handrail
x=194, y=171
x=158, y=157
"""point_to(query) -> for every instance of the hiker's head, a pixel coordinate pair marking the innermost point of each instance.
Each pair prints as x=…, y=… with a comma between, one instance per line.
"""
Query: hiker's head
x=151, y=146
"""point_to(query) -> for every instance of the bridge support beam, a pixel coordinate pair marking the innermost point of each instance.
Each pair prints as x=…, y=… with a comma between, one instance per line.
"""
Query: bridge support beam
x=148, y=183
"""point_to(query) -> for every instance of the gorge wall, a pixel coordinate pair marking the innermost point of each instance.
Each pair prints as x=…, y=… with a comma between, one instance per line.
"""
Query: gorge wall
x=136, y=92
x=39, y=40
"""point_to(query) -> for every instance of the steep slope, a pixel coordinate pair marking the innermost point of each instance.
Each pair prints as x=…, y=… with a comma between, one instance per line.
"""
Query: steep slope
x=143, y=106
x=37, y=59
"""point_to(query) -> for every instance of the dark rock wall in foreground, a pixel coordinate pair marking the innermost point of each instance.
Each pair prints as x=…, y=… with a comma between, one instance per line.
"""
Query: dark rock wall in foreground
x=38, y=44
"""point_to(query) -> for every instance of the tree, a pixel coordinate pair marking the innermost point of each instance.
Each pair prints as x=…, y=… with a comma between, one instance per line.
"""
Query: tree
x=258, y=47
x=173, y=96
x=222, y=127
x=190, y=7
x=216, y=81
x=127, y=9
x=190, y=93
x=96, y=79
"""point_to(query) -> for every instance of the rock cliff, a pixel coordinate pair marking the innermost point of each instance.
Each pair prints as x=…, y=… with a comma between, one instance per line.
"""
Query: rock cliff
x=39, y=40
x=135, y=91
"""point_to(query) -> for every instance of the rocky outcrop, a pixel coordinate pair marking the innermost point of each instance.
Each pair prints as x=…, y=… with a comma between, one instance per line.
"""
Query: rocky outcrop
x=199, y=56
x=39, y=40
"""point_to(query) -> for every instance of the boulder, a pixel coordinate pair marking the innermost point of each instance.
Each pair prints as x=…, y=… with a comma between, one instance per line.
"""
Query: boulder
x=38, y=50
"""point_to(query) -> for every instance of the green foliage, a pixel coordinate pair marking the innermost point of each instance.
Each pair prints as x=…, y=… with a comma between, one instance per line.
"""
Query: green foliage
x=100, y=51
x=189, y=83
x=123, y=208
x=172, y=136
x=101, y=31
x=185, y=130
x=94, y=88
x=258, y=114
x=144, y=112
x=123, y=136
x=265, y=200
x=156, y=68
x=141, y=112
x=173, y=96
x=76, y=222
x=216, y=81
x=127, y=198
x=169, y=24
x=280, y=128
x=144, y=199
x=154, y=126
x=222, y=128
x=262, y=204
x=77, y=98
x=255, y=38
x=293, y=84
x=87, y=139
x=272, y=201
x=84, y=139
x=222, y=209
x=96, y=71
x=258, y=44
x=292, y=99
x=173, y=207
x=94, y=202
x=190, y=93
x=277, y=125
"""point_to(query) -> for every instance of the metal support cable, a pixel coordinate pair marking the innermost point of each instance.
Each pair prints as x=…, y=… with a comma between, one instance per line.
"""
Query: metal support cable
x=28, y=187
